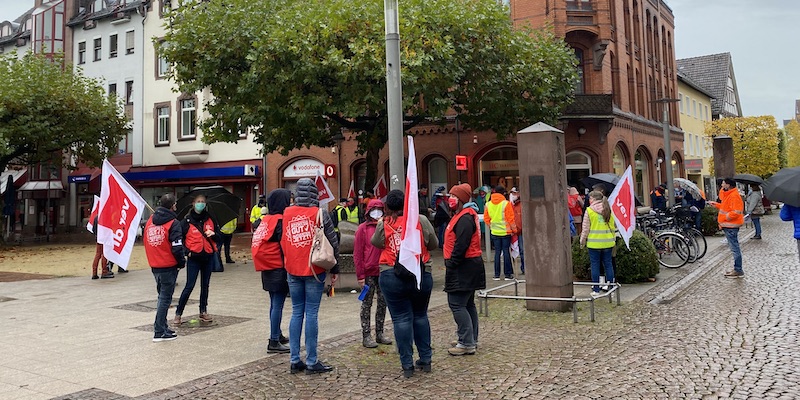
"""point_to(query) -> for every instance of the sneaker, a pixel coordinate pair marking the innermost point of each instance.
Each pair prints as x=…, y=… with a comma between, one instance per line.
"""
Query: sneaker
x=460, y=350
x=454, y=343
x=757, y=237
x=204, y=317
x=121, y=271
x=509, y=277
x=496, y=278
x=734, y=274
x=165, y=337
x=107, y=275
x=596, y=295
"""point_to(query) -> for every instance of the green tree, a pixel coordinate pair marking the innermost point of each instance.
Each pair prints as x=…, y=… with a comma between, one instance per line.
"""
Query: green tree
x=792, y=130
x=755, y=142
x=298, y=72
x=52, y=116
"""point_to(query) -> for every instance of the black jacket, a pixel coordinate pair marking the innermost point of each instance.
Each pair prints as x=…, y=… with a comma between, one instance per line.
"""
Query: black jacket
x=442, y=215
x=464, y=274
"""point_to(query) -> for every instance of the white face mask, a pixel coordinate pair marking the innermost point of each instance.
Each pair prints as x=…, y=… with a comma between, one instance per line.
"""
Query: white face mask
x=513, y=197
x=375, y=214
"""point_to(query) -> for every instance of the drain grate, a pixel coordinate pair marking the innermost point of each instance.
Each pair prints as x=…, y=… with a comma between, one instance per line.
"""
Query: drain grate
x=149, y=305
x=191, y=324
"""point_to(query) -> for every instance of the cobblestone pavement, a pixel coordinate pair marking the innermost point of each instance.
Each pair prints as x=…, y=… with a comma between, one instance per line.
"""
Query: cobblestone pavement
x=722, y=338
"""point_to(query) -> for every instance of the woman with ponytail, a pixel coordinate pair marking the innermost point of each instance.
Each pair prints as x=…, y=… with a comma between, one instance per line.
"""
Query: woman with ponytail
x=598, y=234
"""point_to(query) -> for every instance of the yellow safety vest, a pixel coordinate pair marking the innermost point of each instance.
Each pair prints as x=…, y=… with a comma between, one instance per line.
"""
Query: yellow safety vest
x=229, y=227
x=255, y=214
x=497, y=213
x=601, y=234
x=351, y=216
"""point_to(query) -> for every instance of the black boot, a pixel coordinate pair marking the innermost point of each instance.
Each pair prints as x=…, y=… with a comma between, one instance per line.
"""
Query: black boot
x=275, y=346
x=283, y=339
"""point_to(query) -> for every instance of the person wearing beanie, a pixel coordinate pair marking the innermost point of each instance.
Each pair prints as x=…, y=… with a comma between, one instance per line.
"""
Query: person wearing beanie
x=305, y=289
x=407, y=304
x=464, y=271
x=267, y=258
x=499, y=219
x=366, y=258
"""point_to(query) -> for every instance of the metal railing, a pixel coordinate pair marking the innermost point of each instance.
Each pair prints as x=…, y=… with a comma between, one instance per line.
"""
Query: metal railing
x=485, y=295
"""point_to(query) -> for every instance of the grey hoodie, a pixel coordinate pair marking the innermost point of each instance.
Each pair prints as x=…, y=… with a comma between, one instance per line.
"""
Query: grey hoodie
x=306, y=196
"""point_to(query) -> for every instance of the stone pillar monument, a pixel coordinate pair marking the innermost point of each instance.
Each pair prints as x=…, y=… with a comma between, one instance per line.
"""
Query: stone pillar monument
x=724, y=164
x=543, y=193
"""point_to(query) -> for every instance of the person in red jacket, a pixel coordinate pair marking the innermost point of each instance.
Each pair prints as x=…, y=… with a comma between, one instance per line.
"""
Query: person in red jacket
x=407, y=303
x=268, y=258
x=199, y=242
x=305, y=289
x=464, y=271
x=366, y=257
x=163, y=245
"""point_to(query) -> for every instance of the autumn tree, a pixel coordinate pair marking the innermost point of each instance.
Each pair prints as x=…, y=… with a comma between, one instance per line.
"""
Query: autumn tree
x=792, y=132
x=297, y=72
x=755, y=142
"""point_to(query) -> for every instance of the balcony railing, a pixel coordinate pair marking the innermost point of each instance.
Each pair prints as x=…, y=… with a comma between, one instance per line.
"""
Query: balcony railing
x=579, y=5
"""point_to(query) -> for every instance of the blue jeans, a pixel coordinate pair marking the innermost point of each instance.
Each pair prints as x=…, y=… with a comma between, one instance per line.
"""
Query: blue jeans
x=462, y=304
x=276, y=300
x=306, y=295
x=440, y=234
x=165, y=286
x=596, y=257
x=196, y=267
x=502, y=244
x=521, y=254
x=732, y=237
x=757, y=225
x=698, y=221
x=409, y=310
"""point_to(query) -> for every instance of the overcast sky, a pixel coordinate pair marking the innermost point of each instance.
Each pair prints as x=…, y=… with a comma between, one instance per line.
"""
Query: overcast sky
x=759, y=34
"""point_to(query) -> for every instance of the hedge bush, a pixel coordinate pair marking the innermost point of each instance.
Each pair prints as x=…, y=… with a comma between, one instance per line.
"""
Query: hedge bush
x=708, y=220
x=635, y=265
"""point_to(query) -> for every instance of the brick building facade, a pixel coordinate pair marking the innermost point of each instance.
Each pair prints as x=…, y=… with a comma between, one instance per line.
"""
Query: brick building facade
x=625, y=50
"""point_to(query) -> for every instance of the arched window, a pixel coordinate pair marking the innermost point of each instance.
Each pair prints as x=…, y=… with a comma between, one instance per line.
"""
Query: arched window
x=437, y=173
x=618, y=160
x=579, y=86
x=641, y=174
x=579, y=166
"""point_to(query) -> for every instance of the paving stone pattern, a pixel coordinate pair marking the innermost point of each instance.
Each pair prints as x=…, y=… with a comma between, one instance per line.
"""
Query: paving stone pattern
x=723, y=338
x=192, y=324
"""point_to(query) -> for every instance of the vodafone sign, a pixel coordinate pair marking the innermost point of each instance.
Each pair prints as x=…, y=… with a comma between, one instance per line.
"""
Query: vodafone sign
x=304, y=168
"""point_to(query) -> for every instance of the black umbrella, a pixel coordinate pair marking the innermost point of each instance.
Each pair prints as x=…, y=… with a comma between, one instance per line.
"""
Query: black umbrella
x=609, y=182
x=607, y=179
x=220, y=203
x=748, y=179
x=784, y=186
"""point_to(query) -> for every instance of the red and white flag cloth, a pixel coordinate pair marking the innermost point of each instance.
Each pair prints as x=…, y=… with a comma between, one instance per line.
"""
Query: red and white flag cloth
x=352, y=191
x=120, y=212
x=410, y=239
x=381, y=189
x=95, y=210
x=623, y=206
x=514, y=250
x=325, y=195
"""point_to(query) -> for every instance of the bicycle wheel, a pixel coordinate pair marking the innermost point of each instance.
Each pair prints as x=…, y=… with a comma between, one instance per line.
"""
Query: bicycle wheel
x=672, y=249
x=698, y=237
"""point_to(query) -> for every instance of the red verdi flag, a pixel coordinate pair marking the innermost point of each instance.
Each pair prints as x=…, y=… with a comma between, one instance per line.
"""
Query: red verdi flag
x=381, y=189
x=623, y=206
x=410, y=239
x=119, y=216
x=95, y=209
x=325, y=195
x=352, y=191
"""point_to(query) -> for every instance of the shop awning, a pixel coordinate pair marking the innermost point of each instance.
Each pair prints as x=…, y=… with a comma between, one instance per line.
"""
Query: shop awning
x=15, y=174
x=42, y=185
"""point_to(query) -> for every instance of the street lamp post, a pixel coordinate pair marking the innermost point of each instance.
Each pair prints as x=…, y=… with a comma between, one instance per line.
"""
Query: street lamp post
x=394, y=95
x=668, y=149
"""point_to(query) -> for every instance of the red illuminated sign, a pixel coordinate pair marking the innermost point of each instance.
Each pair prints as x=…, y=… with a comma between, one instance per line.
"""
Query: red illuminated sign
x=461, y=163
